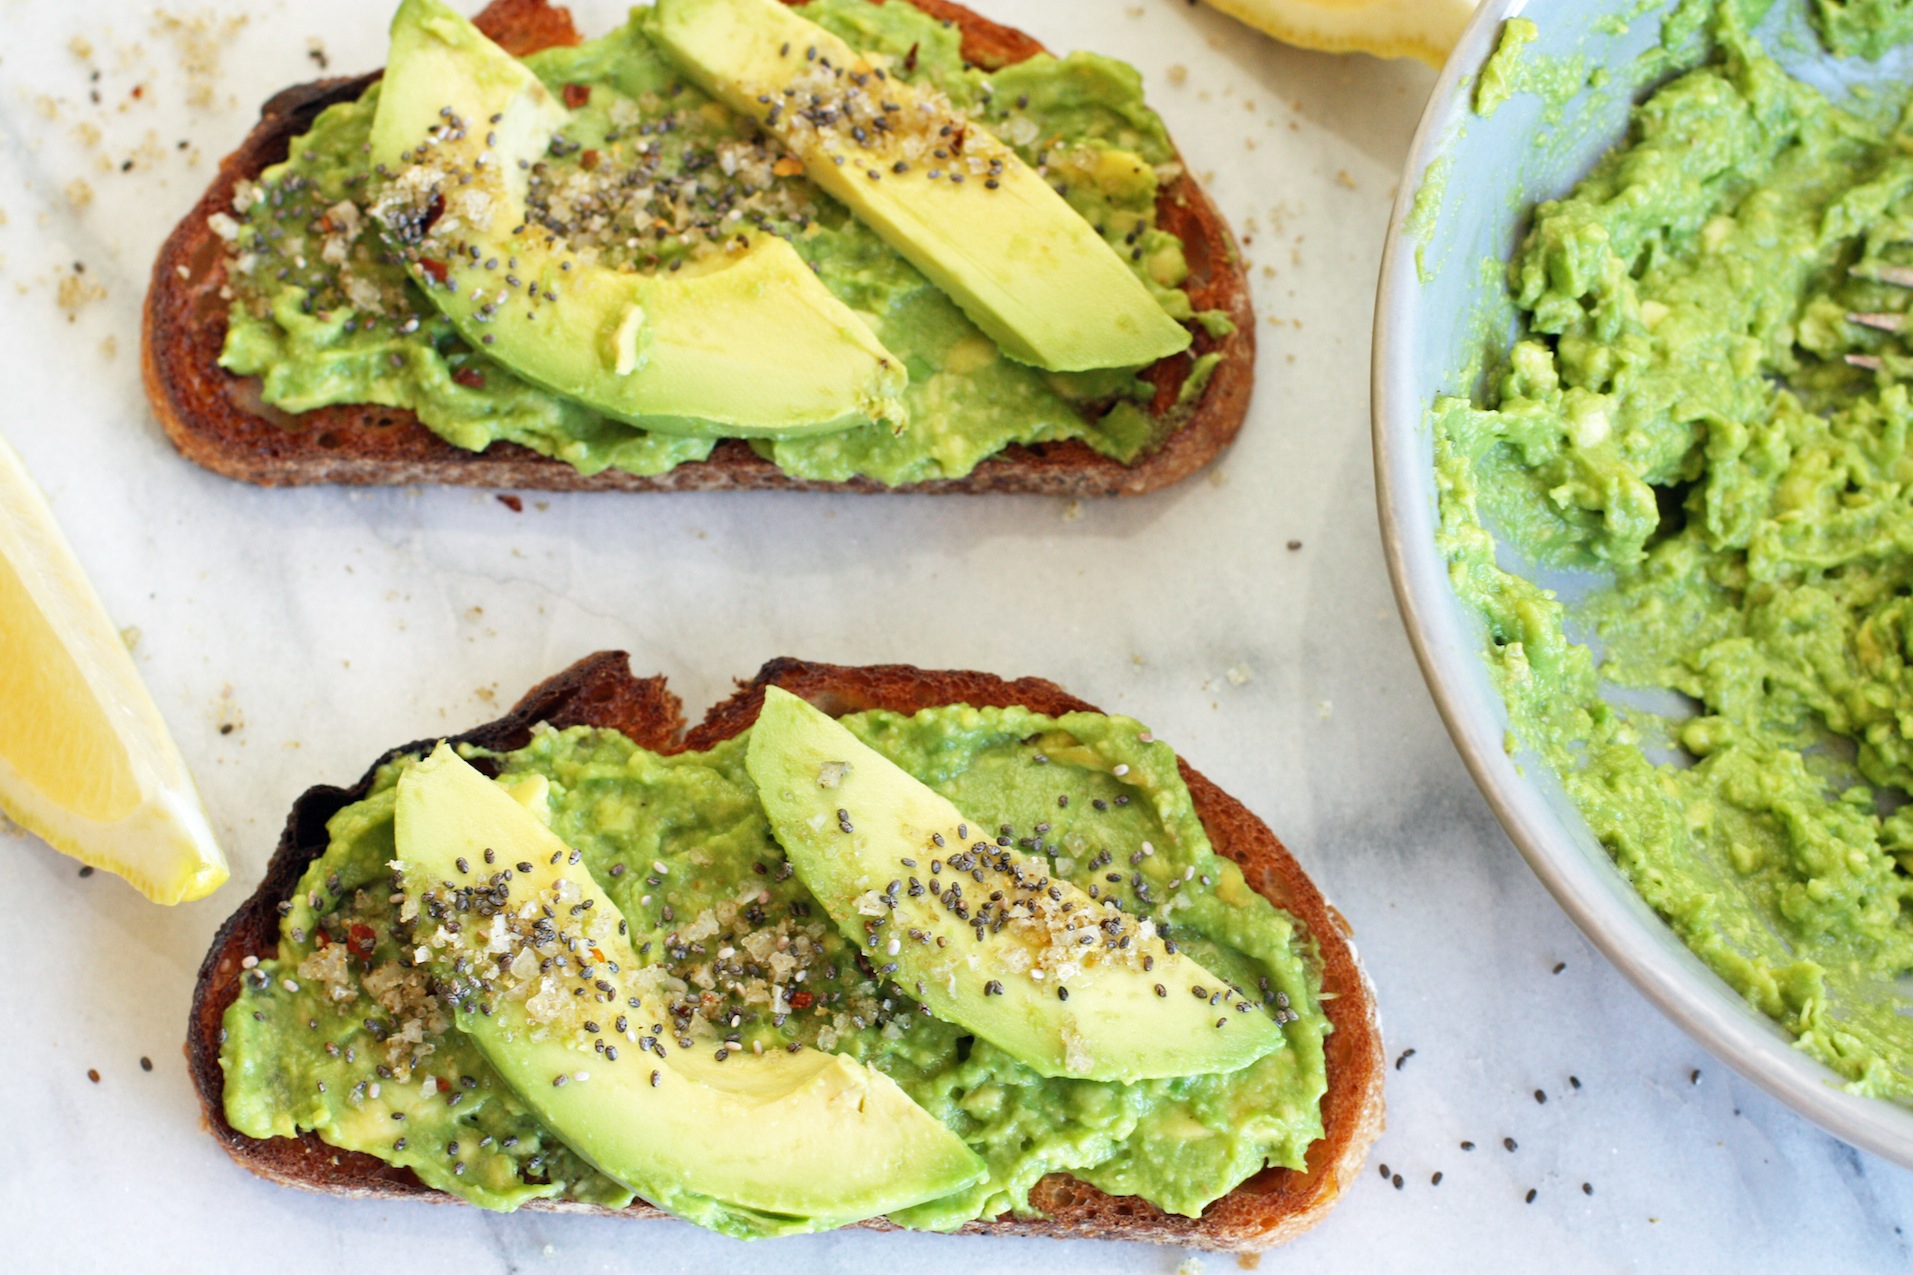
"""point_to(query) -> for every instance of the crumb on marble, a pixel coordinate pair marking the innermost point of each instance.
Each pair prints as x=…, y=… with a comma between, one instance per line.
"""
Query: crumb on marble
x=198, y=41
x=76, y=291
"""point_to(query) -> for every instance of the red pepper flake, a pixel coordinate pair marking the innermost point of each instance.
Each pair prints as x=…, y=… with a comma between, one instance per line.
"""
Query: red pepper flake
x=910, y=60
x=589, y=160
x=139, y=90
x=802, y=1000
x=576, y=95
x=325, y=940
x=93, y=1075
x=470, y=378
x=433, y=268
x=512, y=503
x=360, y=939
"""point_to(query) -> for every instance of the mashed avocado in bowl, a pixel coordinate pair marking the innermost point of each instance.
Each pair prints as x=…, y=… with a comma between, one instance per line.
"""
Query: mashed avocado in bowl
x=1643, y=481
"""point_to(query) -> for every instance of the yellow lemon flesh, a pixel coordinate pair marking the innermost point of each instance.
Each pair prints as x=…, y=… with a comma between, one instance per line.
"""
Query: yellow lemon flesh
x=86, y=763
x=1424, y=29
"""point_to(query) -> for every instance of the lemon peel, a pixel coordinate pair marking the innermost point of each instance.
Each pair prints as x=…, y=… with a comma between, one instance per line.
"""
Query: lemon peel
x=1425, y=29
x=86, y=762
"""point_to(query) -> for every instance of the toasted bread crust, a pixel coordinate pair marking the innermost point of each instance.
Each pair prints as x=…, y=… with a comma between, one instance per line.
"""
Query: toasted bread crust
x=220, y=421
x=1274, y=1206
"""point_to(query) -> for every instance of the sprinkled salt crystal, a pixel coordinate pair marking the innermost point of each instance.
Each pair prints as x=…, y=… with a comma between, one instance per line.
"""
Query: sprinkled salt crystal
x=1122, y=768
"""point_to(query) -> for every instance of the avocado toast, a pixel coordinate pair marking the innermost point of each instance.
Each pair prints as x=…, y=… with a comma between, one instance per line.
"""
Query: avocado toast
x=979, y=420
x=1332, y=1008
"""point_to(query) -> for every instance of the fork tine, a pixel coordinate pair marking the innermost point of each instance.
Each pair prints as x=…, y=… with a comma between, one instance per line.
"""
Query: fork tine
x=1871, y=362
x=1883, y=322
x=1898, y=276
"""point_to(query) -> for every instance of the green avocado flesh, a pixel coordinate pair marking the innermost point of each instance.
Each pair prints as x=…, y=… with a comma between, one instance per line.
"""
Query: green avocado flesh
x=537, y=963
x=958, y=203
x=1065, y=983
x=342, y=1028
x=747, y=341
x=651, y=178
x=1681, y=425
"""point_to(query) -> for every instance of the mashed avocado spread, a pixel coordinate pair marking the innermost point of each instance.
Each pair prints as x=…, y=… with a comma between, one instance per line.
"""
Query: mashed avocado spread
x=342, y=1033
x=1691, y=414
x=651, y=172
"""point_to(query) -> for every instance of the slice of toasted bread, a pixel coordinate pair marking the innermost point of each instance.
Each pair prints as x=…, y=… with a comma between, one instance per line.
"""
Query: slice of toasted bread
x=1274, y=1206
x=221, y=422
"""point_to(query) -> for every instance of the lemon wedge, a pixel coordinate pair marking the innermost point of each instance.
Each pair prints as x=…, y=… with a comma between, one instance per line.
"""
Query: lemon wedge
x=86, y=762
x=1424, y=29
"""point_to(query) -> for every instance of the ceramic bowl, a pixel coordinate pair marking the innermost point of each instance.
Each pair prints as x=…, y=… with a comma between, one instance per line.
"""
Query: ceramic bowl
x=1435, y=305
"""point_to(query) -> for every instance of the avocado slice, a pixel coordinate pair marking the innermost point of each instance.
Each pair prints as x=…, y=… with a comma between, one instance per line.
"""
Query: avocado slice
x=959, y=204
x=743, y=342
x=1065, y=984
x=750, y=1145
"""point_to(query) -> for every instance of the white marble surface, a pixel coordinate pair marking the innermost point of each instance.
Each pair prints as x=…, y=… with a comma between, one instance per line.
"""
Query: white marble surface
x=322, y=626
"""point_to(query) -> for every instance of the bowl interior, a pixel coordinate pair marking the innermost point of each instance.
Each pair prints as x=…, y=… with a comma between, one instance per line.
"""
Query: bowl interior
x=1436, y=309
